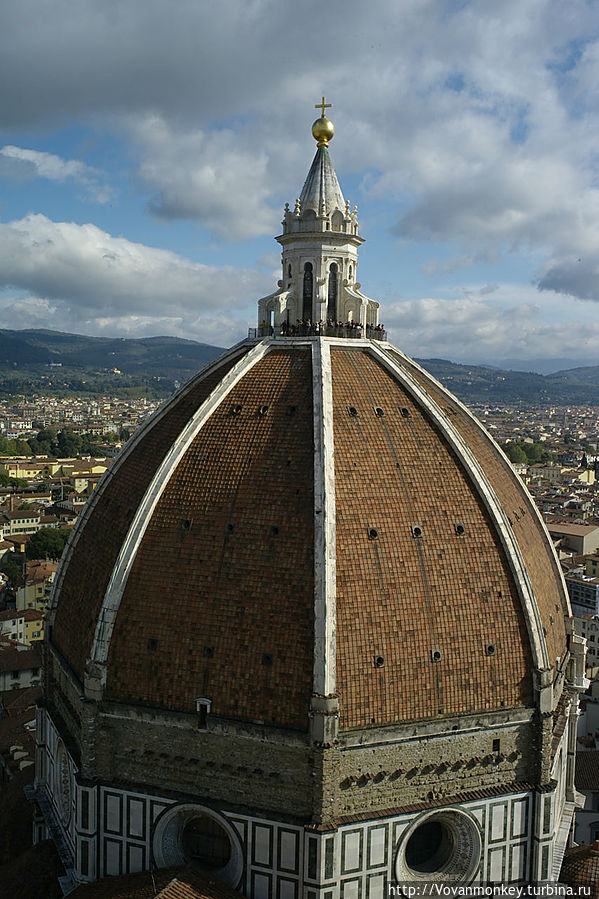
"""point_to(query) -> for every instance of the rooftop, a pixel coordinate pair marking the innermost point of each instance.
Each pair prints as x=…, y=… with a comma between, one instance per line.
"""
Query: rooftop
x=587, y=770
x=18, y=656
x=573, y=530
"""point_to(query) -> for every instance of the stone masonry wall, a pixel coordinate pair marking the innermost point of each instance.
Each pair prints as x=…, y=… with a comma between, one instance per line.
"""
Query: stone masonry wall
x=62, y=696
x=167, y=752
x=367, y=779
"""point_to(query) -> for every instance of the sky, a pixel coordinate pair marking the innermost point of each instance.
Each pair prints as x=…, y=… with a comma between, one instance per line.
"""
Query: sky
x=147, y=151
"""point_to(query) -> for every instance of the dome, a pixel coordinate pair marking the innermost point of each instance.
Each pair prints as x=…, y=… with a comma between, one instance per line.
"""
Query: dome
x=580, y=869
x=312, y=515
x=310, y=629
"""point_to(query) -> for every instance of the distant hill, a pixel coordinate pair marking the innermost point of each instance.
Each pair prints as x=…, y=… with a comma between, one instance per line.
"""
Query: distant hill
x=40, y=360
x=35, y=361
x=481, y=384
x=588, y=374
x=166, y=355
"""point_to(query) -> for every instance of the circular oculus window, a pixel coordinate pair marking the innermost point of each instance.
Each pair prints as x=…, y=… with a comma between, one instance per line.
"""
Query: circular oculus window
x=192, y=833
x=440, y=846
x=64, y=793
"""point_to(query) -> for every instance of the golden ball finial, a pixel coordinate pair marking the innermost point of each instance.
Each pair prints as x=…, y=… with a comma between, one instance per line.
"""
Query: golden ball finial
x=323, y=129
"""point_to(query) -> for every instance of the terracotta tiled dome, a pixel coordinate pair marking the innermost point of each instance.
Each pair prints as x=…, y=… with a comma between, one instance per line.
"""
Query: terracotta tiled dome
x=581, y=868
x=203, y=565
x=311, y=629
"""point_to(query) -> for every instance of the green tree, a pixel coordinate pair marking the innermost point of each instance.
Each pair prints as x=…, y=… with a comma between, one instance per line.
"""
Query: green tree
x=87, y=441
x=47, y=543
x=534, y=451
x=4, y=479
x=69, y=443
x=514, y=452
x=12, y=569
x=44, y=443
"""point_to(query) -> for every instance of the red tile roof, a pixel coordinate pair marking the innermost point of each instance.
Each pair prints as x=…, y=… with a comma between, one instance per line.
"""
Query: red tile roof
x=26, y=615
x=221, y=588
x=231, y=604
x=169, y=883
x=580, y=868
x=401, y=597
x=144, y=885
x=534, y=545
x=193, y=883
x=15, y=658
x=117, y=498
x=587, y=770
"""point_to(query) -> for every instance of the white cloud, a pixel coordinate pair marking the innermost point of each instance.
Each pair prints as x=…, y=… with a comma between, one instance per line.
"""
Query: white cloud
x=213, y=178
x=22, y=163
x=26, y=312
x=489, y=326
x=80, y=274
x=476, y=123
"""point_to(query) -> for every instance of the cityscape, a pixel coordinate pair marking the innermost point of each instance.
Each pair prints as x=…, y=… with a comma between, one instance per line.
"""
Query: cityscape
x=554, y=450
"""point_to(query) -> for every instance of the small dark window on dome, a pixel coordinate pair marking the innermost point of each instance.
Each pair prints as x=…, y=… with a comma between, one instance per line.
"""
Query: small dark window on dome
x=208, y=652
x=230, y=528
x=186, y=524
x=352, y=411
x=267, y=659
x=203, y=706
x=379, y=661
x=236, y=408
x=436, y=655
x=405, y=412
x=416, y=530
x=152, y=644
x=379, y=411
x=490, y=649
x=373, y=534
x=274, y=531
x=291, y=410
x=263, y=410
x=460, y=530
x=496, y=745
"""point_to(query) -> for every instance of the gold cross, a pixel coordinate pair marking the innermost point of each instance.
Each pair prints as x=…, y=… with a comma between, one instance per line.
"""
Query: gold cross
x=322, y=106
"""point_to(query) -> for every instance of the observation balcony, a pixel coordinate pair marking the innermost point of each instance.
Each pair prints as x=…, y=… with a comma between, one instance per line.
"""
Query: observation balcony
x=303, y=329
